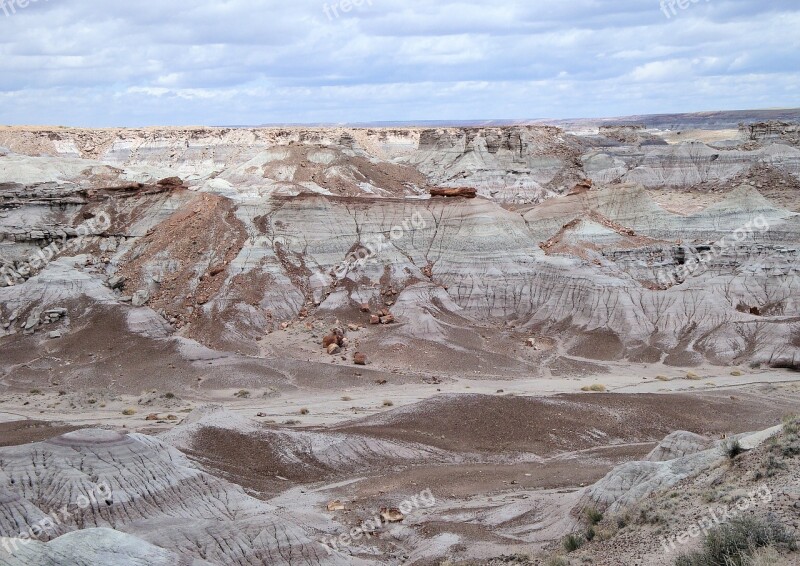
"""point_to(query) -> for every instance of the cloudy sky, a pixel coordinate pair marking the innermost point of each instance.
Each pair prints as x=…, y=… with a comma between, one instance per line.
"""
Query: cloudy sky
x=248, y=62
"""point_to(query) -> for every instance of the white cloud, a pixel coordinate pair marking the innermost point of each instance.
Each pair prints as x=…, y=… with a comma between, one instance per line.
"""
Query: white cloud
x=93, y=62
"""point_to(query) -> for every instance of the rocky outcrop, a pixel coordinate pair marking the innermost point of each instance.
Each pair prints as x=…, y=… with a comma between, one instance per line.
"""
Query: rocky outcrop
x=679, y=444
x=685, y=165
x=633, y=482
x=455, y=192
x=773, y=130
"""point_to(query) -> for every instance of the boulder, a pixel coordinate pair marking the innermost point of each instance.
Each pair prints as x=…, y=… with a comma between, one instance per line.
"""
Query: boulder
x=392, y=515
x=335, y=505
x=360, y=359
x=581, y=187
x=334, y=349
x=171, y=182
x=33, y=321
x=140, y=298
x=116, y=282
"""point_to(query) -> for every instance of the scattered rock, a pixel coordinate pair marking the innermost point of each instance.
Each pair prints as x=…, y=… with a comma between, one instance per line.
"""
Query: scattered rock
x=388, y=319
x=374, y=319
x=360, y=359
x=335, y=505
x=55, y=334
x=334, y=349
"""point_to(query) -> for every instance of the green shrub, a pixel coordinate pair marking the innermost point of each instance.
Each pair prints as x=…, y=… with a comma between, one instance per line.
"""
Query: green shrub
x=733, y=448
x=790, y=445
x=590, y=534
x=791, y=426
x=734, y=543
x=593, y=516
x=573, y=542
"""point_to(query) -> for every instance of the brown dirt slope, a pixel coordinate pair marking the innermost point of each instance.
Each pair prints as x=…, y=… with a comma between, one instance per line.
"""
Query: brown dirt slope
x=546, y=426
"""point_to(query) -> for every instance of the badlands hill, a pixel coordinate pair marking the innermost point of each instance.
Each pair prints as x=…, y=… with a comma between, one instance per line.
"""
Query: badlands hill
x=235, y=327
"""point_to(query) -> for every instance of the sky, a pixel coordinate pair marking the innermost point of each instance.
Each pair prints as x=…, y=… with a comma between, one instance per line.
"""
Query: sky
x=98, y=63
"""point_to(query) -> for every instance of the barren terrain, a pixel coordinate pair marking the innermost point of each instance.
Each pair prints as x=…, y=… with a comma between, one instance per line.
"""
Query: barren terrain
x=256, y=339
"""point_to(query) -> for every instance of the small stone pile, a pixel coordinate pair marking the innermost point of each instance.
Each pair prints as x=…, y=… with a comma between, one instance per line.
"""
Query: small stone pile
x=37, y=317
x=335, y=341
x=385, y=316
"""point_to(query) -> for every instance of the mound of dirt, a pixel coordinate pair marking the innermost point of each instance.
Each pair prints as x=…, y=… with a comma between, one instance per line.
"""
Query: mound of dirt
x=477, y=423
